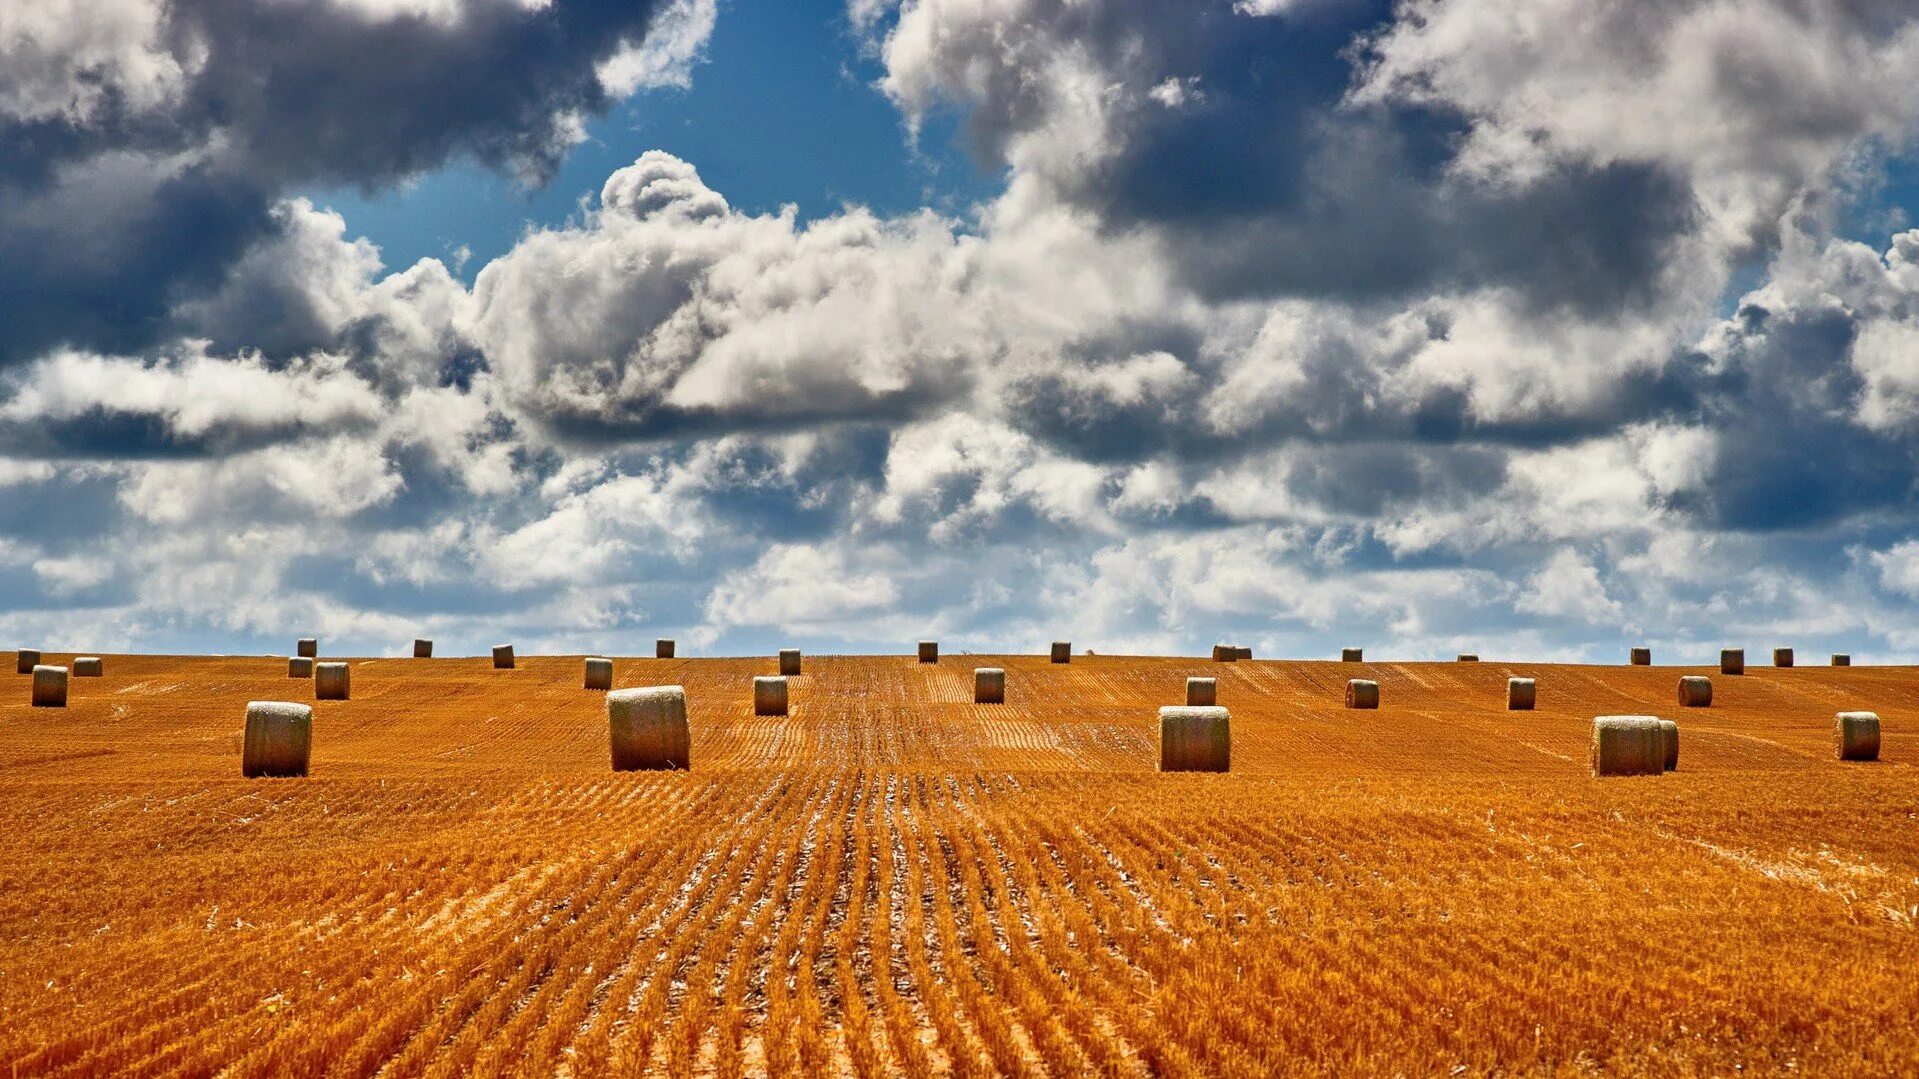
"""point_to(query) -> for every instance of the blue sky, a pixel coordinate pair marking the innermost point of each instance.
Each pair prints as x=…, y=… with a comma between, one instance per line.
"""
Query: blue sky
x=1296, y=323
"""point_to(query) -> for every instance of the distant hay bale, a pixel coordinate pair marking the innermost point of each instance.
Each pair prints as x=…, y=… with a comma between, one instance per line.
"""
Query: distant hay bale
x=330, y=682
x=422, y=648
x=1628, y=746
x=1642, y=657
x=299, y=666
x=1352, y=655
x=663, y=648
x=769, y=695
x=599, y=672
x=1195, y=739
x=49, y=686
x=1520, y=694
x=789, y=661
x=87, y=667
x=1244, y=651
x=1225, y=653
x=1856, y=735
x=309, y=647
x=989, y=685
x=1467, y=657
x=1062, y=651
x=646, y=728
x=1841, y=659
x=279, y=739
x=1362, y=693
x=1695, y=691
x=29, y=659
x=502, y=657
x=1202, y=692
x=1782, y=657
x=1669, y=743
x=929, y=651
x=1732, y=661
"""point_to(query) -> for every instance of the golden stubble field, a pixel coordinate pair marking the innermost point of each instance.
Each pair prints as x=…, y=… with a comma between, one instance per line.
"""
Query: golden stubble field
x=895, y=880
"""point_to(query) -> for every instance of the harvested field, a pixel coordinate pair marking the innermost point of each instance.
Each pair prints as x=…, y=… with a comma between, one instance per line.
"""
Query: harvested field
x=893, y=879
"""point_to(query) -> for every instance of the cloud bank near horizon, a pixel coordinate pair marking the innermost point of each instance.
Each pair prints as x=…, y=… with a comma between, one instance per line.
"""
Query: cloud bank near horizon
x=1429, y=326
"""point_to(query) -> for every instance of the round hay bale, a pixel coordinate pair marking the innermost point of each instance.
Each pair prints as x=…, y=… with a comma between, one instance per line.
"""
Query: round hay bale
x=1467, y=657
x=49, y=686
x=308, y=647
x=1856, y=735
x=789, y=661
x=279, y=739
x=989, y=685
x=646, y=728
x=1520, y=694
x=87, y=667
x=1782, y=657
x=502, y=657
x=769, y=695
x=1642, y=657
x=663, y=648
x=422, y=648
x=1669, y=743
x=299, y=666
x=1628, y=746
x=1732, y=661
x=1202, y=692
x=330, y=682
x=929, y=651
x=1195, y=739
x=28, y=660
x=599, y=672
x=1225, y=653
x=1841, y=659
x=1352, y=655
x=1062, y=651
x=1695, y=691
x=1362, y=693
x=1244, y=651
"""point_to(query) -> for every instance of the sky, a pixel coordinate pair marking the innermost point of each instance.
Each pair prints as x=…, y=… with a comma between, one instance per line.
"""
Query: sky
x=1433, y=326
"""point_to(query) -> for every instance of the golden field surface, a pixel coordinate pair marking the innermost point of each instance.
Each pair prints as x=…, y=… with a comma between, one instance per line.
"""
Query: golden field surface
x=893, y=880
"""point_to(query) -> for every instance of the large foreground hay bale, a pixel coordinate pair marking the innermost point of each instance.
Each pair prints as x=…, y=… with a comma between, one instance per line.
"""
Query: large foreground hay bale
x=1669, y=742
x=1195, y=739
x=1856, y=736
x=422, y=648
x=308, y=647
x=1202, y=692
x=299, y=666
x=1225, y=653
x=29, y=658
x=49, y=686
x=279, y=739
x=1782, y=657
x=502, y=657
x=1642, y=657
x=1362, y=693
x=789, y=661
x=1062, y=651
x=1695, y=691
x=1841, y=659
x=663, y=648
x=929, y=651
x=1628, y=746
x=1732, y=661
x=646, y=728
x=1352, y=655
x=769, y=695
x=87, y=667
x=1520, y=694
x=989, y=685
x=599, y=672
x=330, y=681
